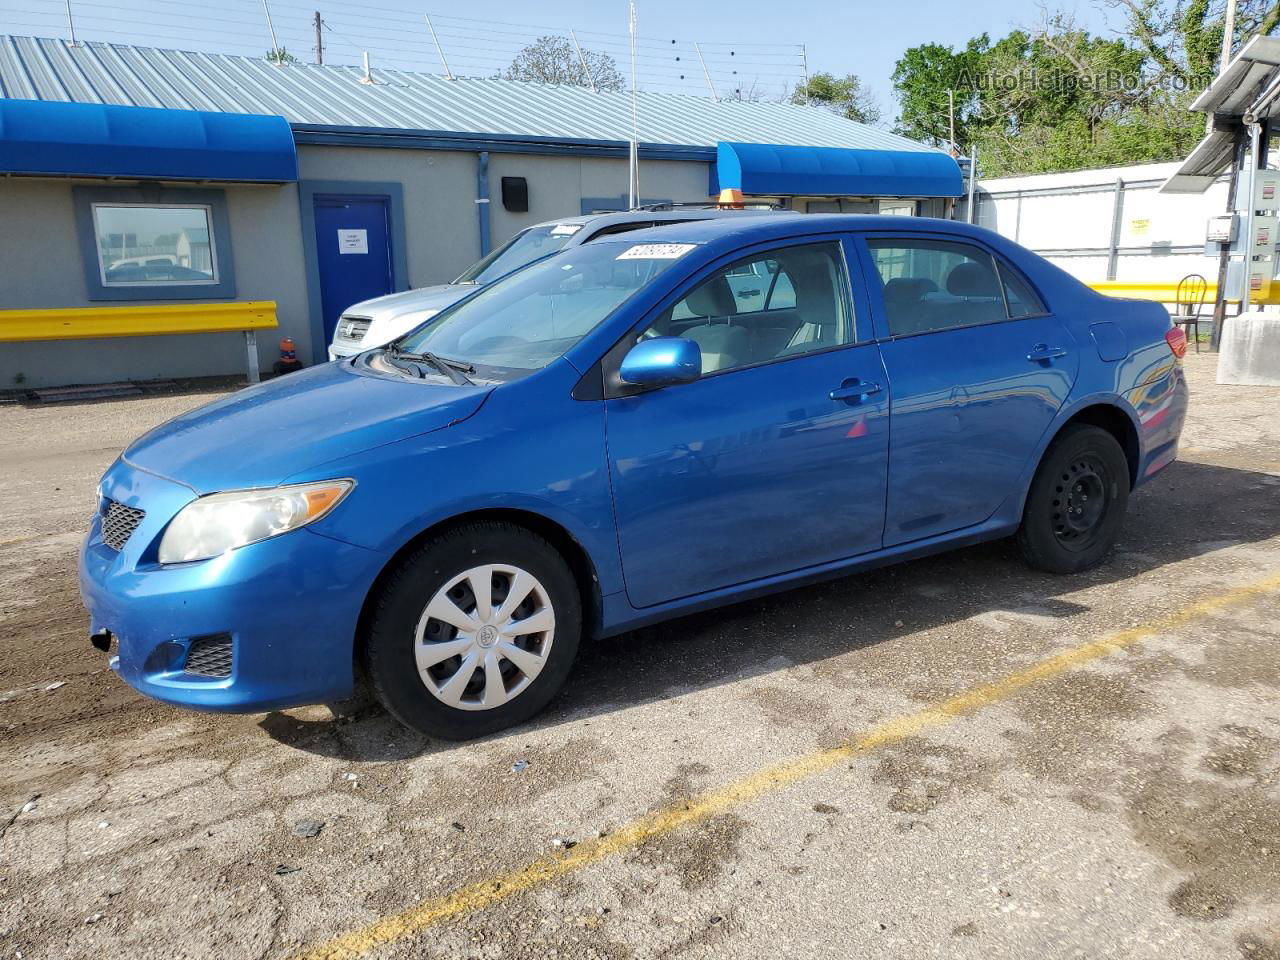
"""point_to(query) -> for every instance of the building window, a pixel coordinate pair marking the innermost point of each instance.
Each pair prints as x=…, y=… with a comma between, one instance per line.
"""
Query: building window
x=151, y=243
x=140, y=245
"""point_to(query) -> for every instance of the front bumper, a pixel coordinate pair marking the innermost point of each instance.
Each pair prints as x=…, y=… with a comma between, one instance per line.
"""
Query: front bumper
x=288, y=605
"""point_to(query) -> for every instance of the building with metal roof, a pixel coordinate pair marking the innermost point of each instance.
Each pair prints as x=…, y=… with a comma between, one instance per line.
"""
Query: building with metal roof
x=342, y=98
x=111, y=152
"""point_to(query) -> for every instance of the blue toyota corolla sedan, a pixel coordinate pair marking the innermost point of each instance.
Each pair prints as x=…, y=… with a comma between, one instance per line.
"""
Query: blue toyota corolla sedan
x=619, y=434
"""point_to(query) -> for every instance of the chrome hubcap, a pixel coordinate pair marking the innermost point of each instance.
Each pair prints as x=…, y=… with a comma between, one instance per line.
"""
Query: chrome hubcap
x=484, y=637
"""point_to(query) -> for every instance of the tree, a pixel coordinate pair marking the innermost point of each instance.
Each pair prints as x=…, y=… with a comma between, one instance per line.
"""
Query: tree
x=280, y=56
x=1057, y=97
x=846, y=96
x=921, y=79
x=555, y=60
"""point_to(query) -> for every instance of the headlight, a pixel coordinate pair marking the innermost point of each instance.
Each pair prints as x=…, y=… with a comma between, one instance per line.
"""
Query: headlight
x=220, y=522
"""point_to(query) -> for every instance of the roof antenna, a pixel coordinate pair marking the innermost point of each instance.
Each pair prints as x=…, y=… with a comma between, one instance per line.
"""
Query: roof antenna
x=275, y=47
x=447, y=72
x=633, y=174
x=705, y=72
x=368, y=77
x=583, y=60
x=71, y=25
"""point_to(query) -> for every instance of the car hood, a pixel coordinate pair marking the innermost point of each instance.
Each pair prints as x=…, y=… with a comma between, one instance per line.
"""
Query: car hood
x=411, y=301
x=262, y=435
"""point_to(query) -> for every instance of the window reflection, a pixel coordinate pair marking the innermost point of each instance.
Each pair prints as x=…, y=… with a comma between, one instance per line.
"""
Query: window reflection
x=142, y=245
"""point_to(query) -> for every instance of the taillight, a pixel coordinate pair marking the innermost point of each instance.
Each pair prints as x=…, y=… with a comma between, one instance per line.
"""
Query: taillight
x=1176, y=337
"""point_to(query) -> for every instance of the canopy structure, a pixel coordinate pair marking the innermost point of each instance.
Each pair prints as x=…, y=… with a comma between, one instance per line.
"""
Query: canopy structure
x=54, y=138
x=772, y=170
x=1247, y=88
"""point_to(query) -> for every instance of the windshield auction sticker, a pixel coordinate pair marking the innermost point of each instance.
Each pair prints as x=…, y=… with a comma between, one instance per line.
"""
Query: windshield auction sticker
x=565, y=229
x=656, y=251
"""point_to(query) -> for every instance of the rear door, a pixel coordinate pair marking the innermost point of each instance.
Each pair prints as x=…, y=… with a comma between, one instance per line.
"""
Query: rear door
x=979, y=368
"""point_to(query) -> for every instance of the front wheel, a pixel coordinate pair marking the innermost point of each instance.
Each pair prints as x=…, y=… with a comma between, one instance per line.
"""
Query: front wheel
x=474, y=632
x=1076, y=503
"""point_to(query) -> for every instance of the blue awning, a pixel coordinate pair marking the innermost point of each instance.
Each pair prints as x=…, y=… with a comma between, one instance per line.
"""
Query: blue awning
x=771, y=170
x=51, y=138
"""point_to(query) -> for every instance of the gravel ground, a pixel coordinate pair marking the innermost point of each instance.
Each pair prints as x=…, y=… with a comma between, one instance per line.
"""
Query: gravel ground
x=1126, y=807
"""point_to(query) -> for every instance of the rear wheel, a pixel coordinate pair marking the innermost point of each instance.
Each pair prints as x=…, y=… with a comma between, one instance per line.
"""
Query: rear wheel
x=475, y=632
x=1076, y=503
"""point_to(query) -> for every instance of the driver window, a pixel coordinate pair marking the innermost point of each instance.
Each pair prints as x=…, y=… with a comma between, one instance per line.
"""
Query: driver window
x=786, y=303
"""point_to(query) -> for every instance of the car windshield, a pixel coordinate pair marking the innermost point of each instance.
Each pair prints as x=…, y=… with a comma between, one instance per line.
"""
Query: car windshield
x=522, y=249
x=530, y=318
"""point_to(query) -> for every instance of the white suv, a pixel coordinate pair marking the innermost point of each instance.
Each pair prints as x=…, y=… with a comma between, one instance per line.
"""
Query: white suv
x=376, y=322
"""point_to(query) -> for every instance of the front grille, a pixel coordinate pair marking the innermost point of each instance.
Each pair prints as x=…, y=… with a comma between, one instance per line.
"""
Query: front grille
x=210, y=656
x=118, y=524
x=353, y=328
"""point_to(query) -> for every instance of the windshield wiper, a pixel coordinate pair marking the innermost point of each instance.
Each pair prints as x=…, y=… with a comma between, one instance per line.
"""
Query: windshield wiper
x=455, y=370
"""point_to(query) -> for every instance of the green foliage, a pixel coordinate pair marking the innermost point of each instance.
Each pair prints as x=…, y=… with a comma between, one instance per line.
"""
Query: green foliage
x=1060, y=98
x=843, y=95
x=281, y=56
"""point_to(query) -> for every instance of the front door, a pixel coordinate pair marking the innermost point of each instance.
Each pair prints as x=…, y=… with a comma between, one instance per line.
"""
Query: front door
x=775, y=460
x=353, y=250
x=979, y=370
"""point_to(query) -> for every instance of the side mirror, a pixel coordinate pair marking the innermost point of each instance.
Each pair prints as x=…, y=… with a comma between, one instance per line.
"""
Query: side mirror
x=661, y=362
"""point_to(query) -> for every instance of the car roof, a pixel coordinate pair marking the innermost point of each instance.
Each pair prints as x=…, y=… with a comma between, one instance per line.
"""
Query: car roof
x=782, y=225
x=666, y=214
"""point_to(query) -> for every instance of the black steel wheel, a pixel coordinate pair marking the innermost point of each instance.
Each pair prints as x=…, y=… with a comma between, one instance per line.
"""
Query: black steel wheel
x=1077, y=501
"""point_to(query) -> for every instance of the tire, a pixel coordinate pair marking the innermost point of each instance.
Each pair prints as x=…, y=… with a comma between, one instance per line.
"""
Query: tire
x=1076, y=503
x=404, y=637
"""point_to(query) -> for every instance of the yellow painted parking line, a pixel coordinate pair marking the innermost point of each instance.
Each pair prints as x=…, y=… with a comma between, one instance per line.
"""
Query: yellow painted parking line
x=484, y=893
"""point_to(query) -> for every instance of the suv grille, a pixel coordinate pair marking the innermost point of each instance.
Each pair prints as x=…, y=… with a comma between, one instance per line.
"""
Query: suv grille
x=353, y=328
x=210, y=656
x=118, y=524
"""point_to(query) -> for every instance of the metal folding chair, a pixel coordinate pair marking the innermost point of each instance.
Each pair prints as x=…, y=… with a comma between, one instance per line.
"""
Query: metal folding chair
x=1189, y=300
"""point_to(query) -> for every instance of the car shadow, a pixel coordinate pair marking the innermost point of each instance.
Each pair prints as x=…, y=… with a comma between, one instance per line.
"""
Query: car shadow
x=1191, y=509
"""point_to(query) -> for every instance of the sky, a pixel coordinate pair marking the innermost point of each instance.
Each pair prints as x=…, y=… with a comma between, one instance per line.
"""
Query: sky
x=746, y=44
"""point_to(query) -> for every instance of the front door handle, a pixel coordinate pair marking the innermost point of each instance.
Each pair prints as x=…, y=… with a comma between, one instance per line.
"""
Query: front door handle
x=1043, y=353
x=855, y=390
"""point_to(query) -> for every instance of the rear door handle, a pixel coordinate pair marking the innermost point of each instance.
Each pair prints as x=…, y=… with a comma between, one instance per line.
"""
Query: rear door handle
x=1042, y=353
x=853, y=391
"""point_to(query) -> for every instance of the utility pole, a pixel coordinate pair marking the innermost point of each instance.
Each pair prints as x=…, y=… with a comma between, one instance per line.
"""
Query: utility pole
x=951, y=118
x=319, y=25
x=804, y=57
x=1228, y=35
x=436, y=40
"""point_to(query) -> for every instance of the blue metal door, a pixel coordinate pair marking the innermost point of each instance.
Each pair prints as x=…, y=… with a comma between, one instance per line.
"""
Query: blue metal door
x=751, y=473
x=969, y=408
x=353, y=250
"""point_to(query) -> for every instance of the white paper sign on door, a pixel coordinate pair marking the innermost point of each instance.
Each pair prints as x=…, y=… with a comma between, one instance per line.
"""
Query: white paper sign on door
x=353, y=241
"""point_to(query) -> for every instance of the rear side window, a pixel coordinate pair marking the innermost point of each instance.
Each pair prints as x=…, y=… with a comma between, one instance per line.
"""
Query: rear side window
x=933, y=285
x=1018, y=296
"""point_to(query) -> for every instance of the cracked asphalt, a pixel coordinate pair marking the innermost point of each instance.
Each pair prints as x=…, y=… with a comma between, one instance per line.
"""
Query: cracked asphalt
x=1126, y=805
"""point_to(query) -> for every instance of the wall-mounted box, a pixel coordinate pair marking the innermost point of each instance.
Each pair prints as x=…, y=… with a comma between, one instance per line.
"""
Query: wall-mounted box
x=1265, y=229
x=1266, y=190
x=1260, y=279
x=1222, y=229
